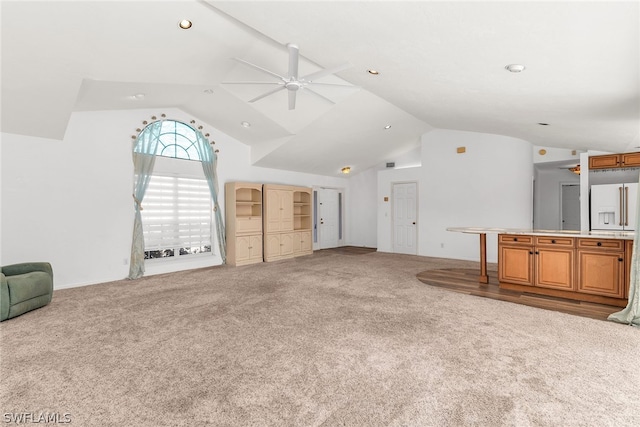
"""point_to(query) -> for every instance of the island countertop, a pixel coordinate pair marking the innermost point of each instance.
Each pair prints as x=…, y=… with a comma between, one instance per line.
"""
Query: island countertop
x=596, y=234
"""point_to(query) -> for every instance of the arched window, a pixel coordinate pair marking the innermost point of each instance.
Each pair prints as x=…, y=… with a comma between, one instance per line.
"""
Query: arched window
x=175, y=139
x=177, y=214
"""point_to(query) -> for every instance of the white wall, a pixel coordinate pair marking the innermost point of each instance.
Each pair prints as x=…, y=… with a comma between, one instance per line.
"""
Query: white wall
x=69, y=202
x=490, y=185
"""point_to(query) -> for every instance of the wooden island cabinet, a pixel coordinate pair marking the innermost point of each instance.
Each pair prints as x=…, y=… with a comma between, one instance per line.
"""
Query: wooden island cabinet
x=592, y=269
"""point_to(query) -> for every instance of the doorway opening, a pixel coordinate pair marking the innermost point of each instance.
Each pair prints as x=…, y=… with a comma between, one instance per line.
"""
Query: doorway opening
x=570, y=206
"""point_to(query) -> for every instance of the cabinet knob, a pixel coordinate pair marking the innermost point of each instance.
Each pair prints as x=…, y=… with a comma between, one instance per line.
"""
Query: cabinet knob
x=537, y=253
x=553, y=241
x=599, y=243
x=515, y=239
x=530, y=252
x=620, y=259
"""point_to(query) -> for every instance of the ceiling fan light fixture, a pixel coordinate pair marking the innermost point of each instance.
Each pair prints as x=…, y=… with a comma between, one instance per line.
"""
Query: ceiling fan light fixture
x=185, y=24
x=515, y=68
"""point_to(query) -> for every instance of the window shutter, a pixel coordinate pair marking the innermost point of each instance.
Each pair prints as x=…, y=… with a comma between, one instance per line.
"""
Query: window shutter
x=176, y=216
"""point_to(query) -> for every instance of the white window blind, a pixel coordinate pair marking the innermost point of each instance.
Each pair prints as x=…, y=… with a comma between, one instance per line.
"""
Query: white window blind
x=176, y=217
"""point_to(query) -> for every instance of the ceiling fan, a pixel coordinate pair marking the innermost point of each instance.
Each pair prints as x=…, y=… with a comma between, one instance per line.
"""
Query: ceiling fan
x=292, y=82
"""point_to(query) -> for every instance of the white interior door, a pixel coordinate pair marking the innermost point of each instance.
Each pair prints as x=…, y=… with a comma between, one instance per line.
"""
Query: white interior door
x=570, y=206
x=405, y=214
x=328, y=214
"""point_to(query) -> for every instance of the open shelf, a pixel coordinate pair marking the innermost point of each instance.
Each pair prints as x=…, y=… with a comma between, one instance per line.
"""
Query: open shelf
x=302, y=210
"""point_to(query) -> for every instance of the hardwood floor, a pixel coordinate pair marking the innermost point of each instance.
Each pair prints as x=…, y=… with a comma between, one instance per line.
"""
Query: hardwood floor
x=466, y=281
x=351, y=250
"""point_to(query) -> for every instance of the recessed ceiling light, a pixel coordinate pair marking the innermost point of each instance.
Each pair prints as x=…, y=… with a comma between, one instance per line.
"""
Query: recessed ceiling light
x=208, y=91
x=138, y=96
x=245, y=124
x=387, y=127
x=185, y=24
x=373, y=72
x=543, y=124
x=515, y=68
x=346, y=170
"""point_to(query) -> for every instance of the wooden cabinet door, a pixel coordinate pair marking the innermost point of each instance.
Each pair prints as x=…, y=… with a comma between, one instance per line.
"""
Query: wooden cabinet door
x=601, y=273
x=630, y=159
x=255, y=247
x=272, y=221
x=306, y=244
x=252, y=224
x=302, y=242
x=286, y=244
x=243, y=244
x=554, y=268
x=271, y=246
x=279, y=210
x=604, y=162
x=286, y=210
x=297, y=242
x=628, y=252
x=515, y=264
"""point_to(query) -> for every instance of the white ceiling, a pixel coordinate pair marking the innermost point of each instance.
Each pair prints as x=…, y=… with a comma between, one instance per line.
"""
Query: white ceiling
x=441, y=65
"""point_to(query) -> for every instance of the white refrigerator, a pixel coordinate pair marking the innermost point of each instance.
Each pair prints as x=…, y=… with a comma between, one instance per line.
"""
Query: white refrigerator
x=613, y=206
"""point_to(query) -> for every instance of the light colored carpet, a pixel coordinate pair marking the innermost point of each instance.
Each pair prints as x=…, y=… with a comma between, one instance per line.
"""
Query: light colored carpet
x=324, y=340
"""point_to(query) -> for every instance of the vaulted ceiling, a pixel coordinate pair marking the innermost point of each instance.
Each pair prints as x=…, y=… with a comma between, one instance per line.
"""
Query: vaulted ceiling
x=441, y=65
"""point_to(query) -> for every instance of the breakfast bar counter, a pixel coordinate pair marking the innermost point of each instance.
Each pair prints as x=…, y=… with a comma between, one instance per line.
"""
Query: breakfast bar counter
x=581, y=265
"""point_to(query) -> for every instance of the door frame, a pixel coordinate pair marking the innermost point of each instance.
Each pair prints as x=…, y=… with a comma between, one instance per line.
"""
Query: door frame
x=393, y=218
x=315, y=231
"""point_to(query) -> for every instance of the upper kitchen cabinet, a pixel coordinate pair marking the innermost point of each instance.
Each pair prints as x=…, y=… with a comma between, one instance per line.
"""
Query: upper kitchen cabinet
x=612, y=161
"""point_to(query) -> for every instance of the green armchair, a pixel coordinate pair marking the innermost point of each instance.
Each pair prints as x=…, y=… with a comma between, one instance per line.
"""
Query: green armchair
x=24, y=287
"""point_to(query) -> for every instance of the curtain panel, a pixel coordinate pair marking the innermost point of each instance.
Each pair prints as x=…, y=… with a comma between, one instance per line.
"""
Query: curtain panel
x=631, y=313
x=209, y=159
x=144, y=155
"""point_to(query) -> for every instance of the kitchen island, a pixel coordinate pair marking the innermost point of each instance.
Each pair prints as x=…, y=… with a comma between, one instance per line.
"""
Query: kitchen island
x=586, y=266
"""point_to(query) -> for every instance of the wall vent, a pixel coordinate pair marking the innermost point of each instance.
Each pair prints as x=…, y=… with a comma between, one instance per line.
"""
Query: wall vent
x=391, y=165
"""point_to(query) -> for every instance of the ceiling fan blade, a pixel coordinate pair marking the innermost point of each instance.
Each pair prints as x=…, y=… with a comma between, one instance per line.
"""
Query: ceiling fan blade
x=252, y=83
x=317, y=94
x=323, y=73
x=266, y=94
x=293, y=61
x=332, y=84
x=292, y=100
x=257, y=67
